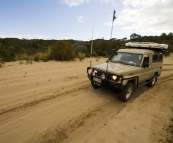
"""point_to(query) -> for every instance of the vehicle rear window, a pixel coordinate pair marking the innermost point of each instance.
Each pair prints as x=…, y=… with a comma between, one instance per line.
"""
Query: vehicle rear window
x=157, y=57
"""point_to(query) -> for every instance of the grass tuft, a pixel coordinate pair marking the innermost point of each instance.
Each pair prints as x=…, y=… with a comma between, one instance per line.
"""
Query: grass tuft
x=97, y=59
x=24, y=57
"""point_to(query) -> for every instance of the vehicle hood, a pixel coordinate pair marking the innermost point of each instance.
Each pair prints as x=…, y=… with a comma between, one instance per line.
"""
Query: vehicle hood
x=117, y=68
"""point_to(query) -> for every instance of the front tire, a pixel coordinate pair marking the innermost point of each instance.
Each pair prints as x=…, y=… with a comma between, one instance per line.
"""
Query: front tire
x=95, y=86
x=126, y=93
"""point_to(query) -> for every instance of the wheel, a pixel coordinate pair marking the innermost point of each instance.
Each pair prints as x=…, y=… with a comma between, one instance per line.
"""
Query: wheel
x=95, y=86
x=153, y=81
x=125, y=94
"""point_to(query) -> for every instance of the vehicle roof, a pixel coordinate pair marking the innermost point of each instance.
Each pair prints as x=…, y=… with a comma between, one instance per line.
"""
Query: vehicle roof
x=147, y=45
x=136, y=51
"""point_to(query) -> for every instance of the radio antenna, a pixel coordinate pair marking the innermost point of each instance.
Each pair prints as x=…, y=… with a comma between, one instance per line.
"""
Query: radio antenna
x=91, y=47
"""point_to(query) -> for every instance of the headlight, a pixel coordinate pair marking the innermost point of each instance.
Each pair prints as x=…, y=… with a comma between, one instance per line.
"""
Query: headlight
x=103, y=76
x=94, y=72
x=89, y=70
x=114, y=77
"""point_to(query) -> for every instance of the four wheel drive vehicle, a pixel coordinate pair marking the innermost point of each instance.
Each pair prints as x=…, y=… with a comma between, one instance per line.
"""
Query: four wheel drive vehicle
x=126, y=69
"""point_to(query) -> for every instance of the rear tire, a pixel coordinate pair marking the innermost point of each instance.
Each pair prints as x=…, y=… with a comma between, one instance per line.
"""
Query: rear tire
x=153, y=81
x=126, y=93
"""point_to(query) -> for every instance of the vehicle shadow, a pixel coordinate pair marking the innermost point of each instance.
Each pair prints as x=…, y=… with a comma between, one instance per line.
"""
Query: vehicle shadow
x=111, y=93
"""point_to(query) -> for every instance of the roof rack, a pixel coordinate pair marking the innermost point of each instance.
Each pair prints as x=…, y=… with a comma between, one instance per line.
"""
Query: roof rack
x=147, y=45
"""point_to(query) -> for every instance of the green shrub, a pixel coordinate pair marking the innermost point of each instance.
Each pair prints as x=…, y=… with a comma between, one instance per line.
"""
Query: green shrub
x=81, y=56
x=45, y=57
x=4, y=54
x=62, y=50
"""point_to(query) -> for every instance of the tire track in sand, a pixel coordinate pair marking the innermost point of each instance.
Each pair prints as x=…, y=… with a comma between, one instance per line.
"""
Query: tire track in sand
x=87, y=125
x=42, y=99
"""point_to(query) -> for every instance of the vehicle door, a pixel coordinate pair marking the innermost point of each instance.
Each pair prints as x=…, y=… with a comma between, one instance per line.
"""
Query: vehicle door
x=145, y=70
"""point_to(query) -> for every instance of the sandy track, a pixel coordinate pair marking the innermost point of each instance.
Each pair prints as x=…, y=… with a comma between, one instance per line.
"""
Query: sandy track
x=54, y=102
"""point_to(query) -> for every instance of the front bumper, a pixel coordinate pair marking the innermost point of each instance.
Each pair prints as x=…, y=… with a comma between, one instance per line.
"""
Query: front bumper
x=98, y=80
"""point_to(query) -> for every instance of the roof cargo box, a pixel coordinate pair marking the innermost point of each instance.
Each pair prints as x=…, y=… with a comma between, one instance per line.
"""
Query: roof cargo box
x=147, y=45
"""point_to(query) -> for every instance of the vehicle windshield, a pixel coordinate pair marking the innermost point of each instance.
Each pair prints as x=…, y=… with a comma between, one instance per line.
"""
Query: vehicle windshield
x=127, y=58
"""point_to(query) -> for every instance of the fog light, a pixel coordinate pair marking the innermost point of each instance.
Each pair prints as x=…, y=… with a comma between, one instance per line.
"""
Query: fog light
x=94, y=72
x=120, y=78
x=103, y=76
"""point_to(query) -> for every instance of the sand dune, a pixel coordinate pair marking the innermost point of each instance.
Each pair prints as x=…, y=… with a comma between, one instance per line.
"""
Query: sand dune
x=54, y=102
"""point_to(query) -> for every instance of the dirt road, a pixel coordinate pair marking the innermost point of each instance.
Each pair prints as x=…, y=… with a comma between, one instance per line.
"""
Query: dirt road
x=54, y=102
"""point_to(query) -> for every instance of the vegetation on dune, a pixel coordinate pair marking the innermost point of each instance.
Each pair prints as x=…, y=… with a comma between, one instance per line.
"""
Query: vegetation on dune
x=4, y=53
x=26, y=50
x=62, y=51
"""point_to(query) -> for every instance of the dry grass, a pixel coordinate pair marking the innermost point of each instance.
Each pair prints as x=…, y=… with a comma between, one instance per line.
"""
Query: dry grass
x=44, y=56
x=97, y=59
x=24, y=58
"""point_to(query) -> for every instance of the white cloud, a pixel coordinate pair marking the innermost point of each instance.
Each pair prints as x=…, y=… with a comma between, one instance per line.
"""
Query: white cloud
x=106, y=1
x=80, y=19
x=72, y=3
x=20, y=36
x=143, y=16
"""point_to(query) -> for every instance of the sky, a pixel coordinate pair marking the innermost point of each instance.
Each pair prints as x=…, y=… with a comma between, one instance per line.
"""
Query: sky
x=84, y=19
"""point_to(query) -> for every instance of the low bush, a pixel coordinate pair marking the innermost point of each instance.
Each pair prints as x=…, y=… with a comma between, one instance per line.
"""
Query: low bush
x=97, y=59
x=81, y=56
x=45, y=57
x=28, y=59
x=37, y=57
x=1, y=62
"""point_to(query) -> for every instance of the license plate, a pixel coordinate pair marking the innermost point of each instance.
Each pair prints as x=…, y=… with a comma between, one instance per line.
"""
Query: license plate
x=97, y=79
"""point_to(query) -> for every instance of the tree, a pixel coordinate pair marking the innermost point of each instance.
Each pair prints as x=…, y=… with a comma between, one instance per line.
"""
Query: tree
x=134, y=36
x=124, y=39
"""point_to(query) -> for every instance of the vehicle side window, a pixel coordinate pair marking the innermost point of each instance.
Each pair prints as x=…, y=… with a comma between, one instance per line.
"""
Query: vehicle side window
x=160, y=58
x=154, y=58
x=157, y=57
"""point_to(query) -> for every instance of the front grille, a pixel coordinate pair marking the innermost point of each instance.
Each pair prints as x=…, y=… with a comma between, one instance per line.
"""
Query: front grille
x=107, y=75
x=99, y=73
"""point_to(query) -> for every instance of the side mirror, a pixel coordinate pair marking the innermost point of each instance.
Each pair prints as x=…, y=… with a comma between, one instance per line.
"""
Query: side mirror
x=145, y=62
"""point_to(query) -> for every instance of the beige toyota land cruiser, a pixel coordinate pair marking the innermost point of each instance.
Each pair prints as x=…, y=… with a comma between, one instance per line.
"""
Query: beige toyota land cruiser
x=126, y=69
